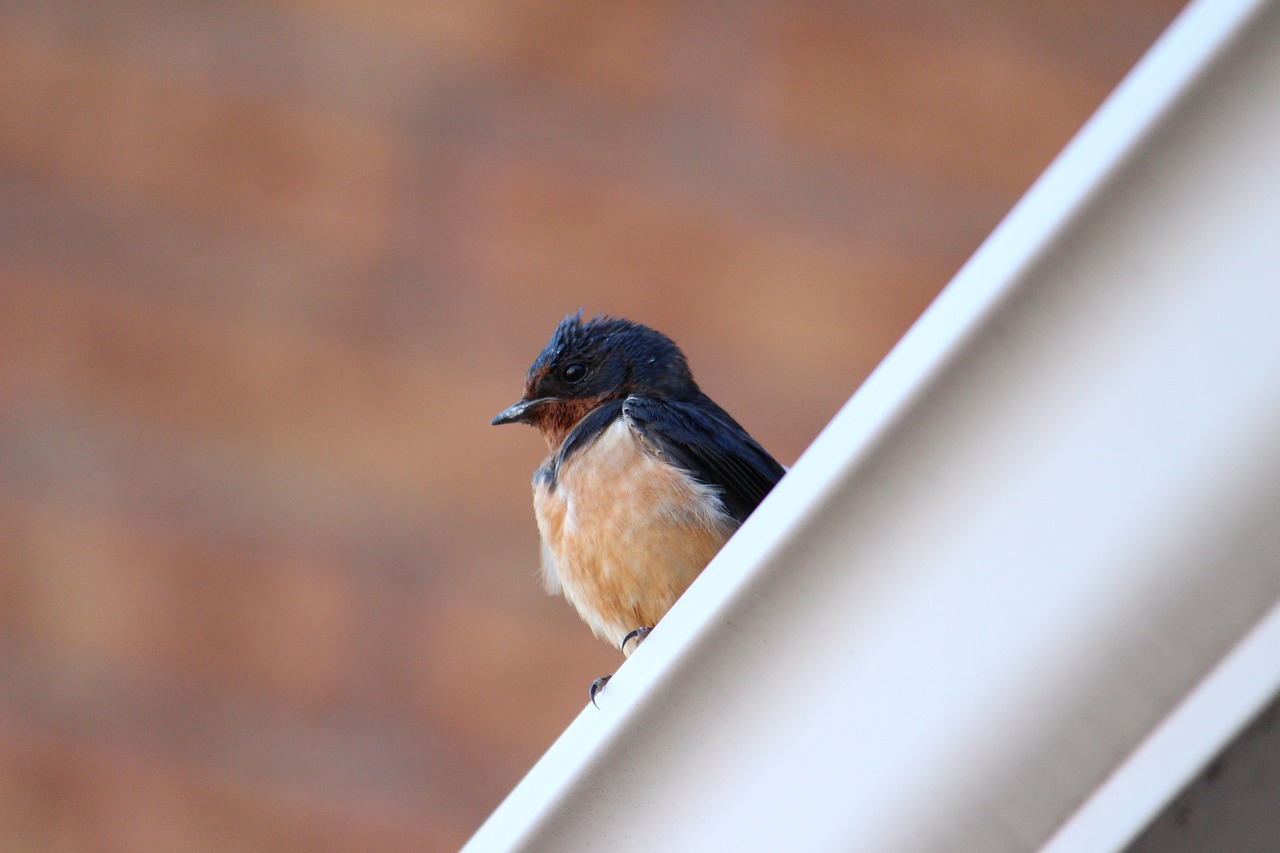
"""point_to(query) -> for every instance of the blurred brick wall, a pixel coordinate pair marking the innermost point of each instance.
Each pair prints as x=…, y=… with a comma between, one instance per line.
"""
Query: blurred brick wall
x=267, y=577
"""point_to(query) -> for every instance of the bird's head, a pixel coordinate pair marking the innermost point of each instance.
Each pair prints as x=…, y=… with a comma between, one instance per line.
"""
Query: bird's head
x=587, y=364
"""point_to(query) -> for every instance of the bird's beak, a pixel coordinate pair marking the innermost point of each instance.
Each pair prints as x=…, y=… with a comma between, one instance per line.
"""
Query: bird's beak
x=521, y=411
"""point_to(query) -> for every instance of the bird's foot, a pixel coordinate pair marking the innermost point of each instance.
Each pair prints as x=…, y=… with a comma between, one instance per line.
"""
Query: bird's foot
x=638, y=635
x=597, y=686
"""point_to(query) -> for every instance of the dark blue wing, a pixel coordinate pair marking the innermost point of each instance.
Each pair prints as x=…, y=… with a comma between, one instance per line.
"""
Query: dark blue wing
x=701, y=438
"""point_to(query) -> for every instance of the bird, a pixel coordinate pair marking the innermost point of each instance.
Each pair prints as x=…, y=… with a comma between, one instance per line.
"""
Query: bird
x=645, y=479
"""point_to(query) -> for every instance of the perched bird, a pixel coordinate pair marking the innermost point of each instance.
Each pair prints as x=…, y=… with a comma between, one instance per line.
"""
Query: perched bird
x=646, y=477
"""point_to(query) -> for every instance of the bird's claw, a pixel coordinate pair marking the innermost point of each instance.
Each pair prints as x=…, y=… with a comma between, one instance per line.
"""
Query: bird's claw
x=638, y=635
x=597, y=686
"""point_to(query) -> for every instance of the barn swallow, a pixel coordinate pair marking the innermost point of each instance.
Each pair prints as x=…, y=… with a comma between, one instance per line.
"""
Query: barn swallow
x=646, y=478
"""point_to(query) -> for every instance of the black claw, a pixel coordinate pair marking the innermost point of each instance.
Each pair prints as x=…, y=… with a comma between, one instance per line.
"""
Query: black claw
x=638, y=635
x=597, y=686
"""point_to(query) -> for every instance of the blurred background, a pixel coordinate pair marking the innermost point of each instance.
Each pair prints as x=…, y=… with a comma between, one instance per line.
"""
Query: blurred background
x=268, y=579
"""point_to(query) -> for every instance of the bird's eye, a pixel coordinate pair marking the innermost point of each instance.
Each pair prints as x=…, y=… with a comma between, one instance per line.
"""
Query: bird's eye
x=573, y=373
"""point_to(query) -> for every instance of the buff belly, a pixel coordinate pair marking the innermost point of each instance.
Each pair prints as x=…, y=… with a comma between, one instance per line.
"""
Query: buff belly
x=624, y=533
